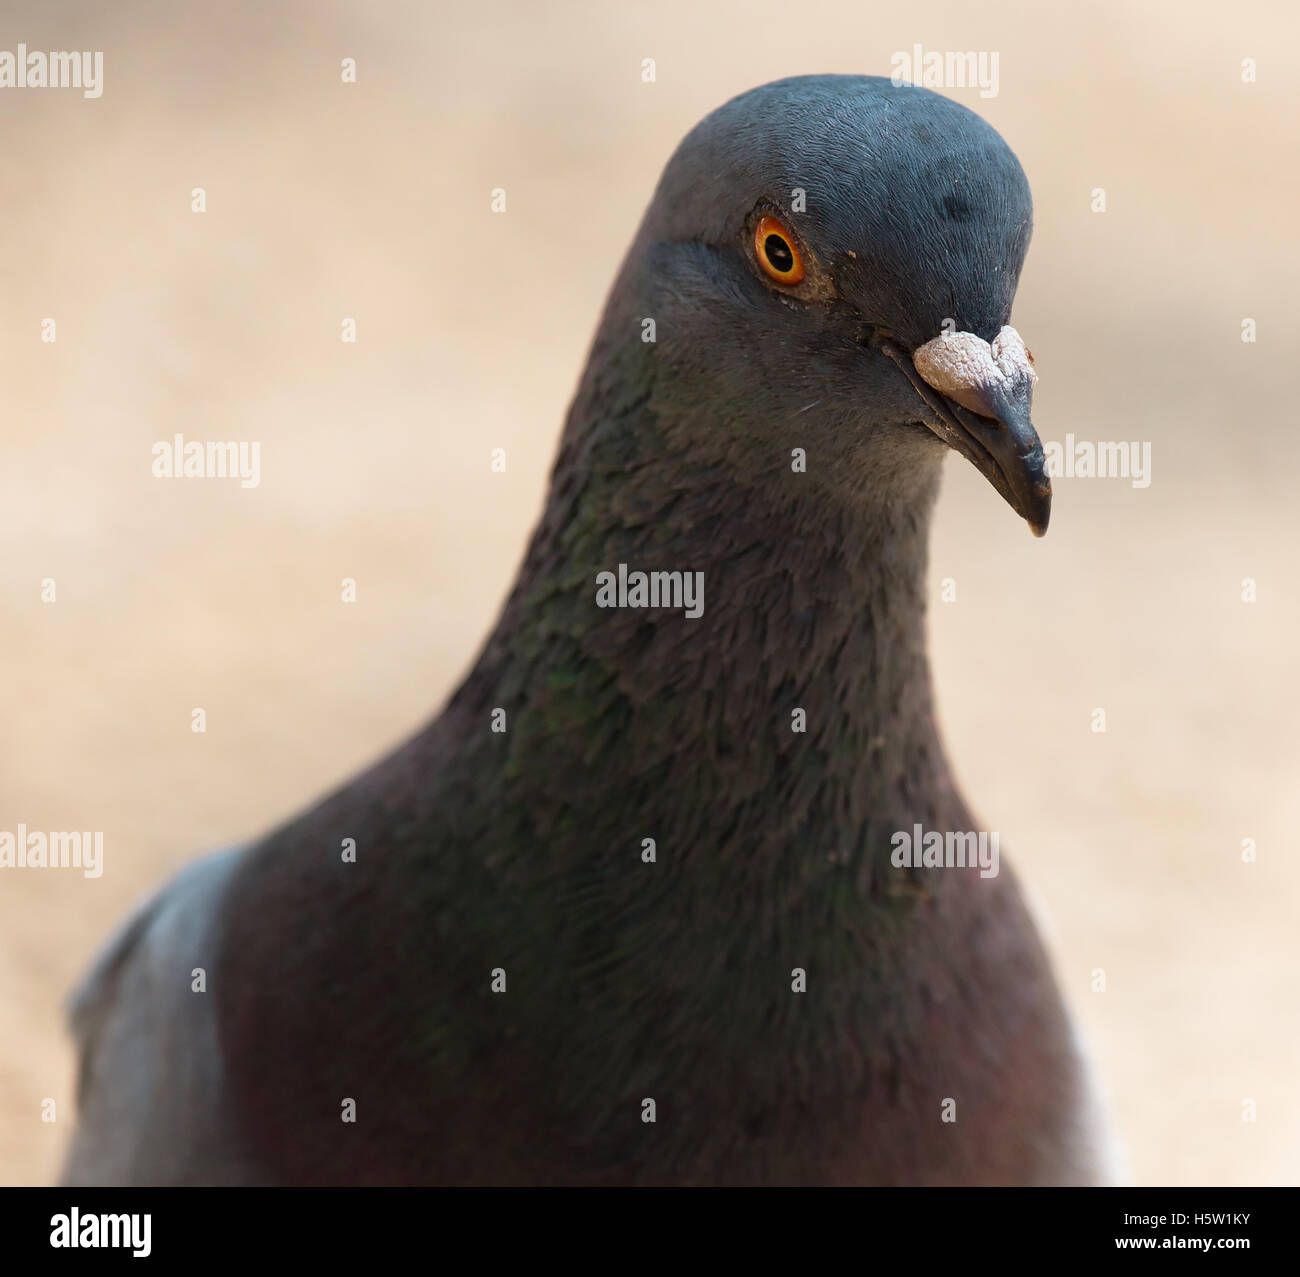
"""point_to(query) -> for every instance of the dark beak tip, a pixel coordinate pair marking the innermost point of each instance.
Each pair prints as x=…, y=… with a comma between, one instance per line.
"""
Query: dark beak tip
x=1039, y=513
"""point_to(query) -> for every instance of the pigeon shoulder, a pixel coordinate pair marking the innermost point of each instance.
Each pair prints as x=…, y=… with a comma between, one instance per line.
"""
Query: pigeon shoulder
x=150, y=1074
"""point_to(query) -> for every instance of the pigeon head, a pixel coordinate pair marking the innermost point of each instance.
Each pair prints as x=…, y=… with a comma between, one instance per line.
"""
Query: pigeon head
x=830, y=262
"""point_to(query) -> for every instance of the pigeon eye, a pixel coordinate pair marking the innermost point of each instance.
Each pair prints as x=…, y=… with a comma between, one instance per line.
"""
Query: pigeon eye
x=776, y=253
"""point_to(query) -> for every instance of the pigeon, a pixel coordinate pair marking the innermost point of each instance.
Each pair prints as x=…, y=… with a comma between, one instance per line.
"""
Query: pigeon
x=678, y=888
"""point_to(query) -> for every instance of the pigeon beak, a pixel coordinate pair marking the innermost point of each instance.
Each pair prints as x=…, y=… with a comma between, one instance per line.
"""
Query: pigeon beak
x=980, y=393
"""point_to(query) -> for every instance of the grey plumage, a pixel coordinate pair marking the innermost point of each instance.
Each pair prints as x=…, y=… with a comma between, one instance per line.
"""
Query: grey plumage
x=150, y=1089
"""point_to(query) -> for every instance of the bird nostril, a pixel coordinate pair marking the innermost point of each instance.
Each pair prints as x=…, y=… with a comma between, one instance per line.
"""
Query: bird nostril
x=881, y=339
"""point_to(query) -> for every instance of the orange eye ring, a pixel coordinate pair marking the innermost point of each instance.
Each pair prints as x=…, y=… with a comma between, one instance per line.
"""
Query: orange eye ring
x=775, y=249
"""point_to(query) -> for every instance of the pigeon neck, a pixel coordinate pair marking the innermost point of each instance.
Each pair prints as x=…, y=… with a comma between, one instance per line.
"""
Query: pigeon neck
x=752, y=646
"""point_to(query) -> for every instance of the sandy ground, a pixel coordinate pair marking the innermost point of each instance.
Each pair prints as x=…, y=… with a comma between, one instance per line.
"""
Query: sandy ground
x=327, y=200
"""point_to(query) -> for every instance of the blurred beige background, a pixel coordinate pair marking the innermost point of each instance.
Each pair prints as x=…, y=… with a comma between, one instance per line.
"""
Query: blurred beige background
x=328, y=200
